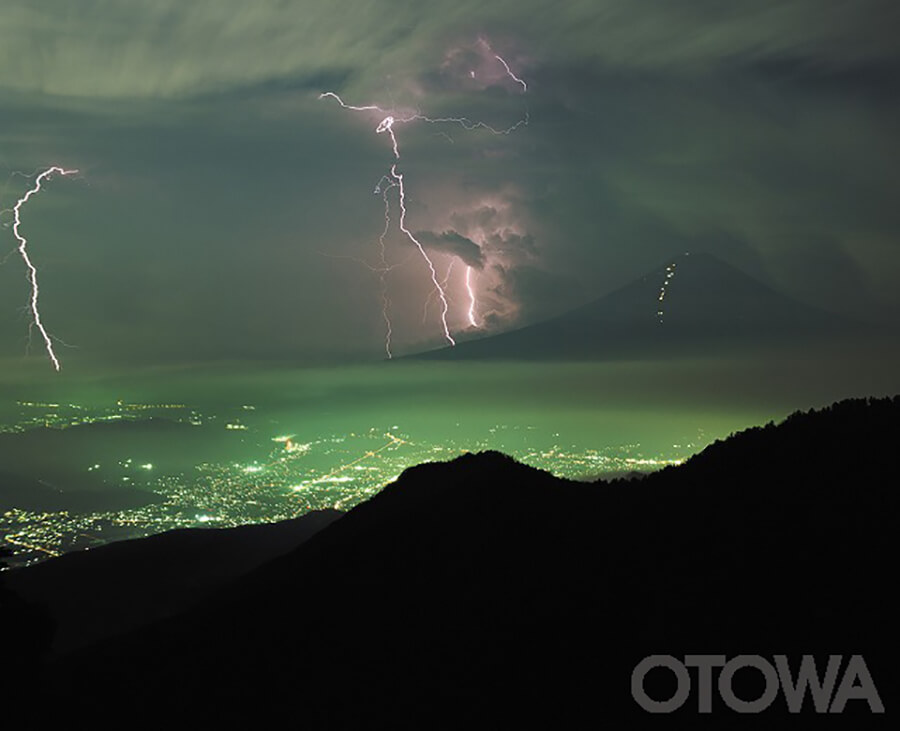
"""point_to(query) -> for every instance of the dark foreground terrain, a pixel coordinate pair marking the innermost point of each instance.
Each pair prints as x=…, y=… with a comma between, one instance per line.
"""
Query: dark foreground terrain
x=484, y=593
x=95, y=594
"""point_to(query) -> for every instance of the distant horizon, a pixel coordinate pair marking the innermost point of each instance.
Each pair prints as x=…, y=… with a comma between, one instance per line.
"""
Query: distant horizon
x=891, y=338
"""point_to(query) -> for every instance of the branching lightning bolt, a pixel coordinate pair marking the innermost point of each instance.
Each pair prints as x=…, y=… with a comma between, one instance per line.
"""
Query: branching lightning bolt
x=437, y=285
x=32, y=270
x=396, y=180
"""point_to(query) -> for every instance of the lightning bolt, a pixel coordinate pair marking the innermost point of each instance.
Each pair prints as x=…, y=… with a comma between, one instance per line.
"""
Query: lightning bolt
x=472, y=304
x=431, y=294
x=487, y=46
x=367, y=108
x=385, y=300
x=442, y=295
x=396, y=180
x=389, y=120
x=384, y=268
x=511, y=74
x=32, y=270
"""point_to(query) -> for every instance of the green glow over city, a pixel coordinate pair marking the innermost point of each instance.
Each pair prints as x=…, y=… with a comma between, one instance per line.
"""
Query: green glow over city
x=315, y=438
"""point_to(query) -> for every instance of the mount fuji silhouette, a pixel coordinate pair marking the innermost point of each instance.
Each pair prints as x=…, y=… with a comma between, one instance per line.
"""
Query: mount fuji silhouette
x=692, y=304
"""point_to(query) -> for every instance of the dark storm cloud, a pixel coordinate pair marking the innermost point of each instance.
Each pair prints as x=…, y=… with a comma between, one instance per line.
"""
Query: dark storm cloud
x=161, y=47
x=450, y=242
x=224, y=211
x=536, y=288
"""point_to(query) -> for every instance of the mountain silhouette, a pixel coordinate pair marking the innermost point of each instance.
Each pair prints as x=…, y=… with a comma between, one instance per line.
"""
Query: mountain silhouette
x=484, y=593
x=692, y=304
x=120, y=586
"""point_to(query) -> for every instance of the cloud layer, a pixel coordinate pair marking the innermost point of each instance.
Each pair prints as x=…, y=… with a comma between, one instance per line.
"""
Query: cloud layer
x=106, y=48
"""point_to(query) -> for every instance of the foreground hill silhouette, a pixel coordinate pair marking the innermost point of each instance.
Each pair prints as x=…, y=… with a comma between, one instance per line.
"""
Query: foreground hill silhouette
x=484, y=593
x=694, y=304
x=90, y=595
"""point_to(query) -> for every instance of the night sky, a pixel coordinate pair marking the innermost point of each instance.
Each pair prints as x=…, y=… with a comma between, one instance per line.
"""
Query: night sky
x=222, y=208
